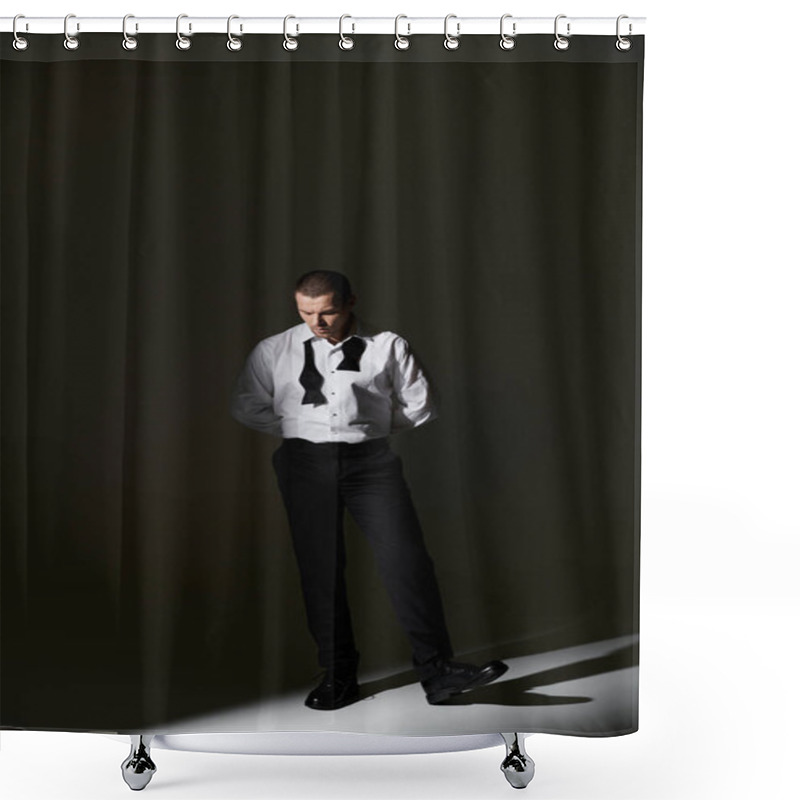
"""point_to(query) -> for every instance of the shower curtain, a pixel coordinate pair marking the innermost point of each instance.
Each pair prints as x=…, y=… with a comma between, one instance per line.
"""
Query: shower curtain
x=158, y=207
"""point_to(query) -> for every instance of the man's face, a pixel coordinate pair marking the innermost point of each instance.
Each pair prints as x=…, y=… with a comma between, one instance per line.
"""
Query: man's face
x=323, y=317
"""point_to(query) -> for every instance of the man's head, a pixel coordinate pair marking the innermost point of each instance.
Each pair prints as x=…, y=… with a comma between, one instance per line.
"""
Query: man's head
x=325, y=302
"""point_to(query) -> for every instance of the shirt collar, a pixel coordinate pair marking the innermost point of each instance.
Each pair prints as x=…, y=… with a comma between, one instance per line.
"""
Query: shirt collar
x=360, y=328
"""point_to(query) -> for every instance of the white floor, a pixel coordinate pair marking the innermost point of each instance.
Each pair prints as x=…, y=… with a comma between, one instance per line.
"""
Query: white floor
x=575, y=689
x=717, y=719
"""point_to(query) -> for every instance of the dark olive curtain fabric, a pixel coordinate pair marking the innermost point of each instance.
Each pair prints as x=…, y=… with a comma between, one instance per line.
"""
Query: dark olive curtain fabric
x=157, y=208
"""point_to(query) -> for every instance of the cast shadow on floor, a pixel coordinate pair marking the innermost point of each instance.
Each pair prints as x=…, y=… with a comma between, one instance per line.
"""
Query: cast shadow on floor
x=520, y=691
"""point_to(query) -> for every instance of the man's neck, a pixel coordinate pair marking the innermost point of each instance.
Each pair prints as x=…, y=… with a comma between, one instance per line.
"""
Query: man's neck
x=351, y=326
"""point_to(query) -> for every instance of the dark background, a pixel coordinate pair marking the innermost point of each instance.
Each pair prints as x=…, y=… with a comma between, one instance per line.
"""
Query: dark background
x=155, y=215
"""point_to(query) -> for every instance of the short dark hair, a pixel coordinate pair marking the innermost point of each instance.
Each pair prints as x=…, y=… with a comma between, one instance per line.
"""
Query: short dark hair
x=324, y=281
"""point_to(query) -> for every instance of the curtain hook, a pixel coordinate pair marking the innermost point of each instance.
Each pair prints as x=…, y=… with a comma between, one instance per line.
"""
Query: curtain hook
x=290, y=43
x=129, y=42
x=346, y=42
x=20, y=43
x=622, y=43
x=401, y=42
x=71, y=42
x=182, y=42
x=451, y=42
x=507, y=42
x=234, y=43
x=561, y=42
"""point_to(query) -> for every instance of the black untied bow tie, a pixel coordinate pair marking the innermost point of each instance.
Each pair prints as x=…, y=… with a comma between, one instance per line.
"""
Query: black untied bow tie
x=310, y=377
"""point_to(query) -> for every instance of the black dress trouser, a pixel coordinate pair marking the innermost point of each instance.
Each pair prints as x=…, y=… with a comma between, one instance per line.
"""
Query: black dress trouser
x=317, y=482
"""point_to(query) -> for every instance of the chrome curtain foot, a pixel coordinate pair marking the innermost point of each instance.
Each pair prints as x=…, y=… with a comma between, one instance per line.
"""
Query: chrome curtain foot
x=138, y=768
x=517, y=766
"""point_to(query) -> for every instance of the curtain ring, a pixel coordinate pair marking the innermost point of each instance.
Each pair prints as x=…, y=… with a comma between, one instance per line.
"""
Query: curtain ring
x=182, y=42
x=289, y=42
x=129, y=42
x=622, y=43
x=346, y=42
x=561, y=42
x=234, y=43
x=451, y=42
x=70, y=42
x=401, y=42
x=20, y=43
x=507, y=42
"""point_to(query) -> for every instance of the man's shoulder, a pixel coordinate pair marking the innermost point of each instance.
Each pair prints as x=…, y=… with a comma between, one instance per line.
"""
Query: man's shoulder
x=281, y=339
x=298, y=333
x=366, y=330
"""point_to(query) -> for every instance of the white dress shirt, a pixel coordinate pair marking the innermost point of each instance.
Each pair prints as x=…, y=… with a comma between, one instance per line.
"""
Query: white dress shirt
x=388, y=394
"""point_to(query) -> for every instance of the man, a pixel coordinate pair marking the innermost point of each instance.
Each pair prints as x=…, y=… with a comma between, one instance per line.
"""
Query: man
x=334, y=390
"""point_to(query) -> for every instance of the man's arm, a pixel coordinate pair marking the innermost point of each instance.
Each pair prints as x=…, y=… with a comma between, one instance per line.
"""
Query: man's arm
x=413, y=402
x=251, y=402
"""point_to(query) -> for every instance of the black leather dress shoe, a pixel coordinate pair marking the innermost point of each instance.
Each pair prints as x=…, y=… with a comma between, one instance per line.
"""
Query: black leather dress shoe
x=455, y=677
x=334, y=692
